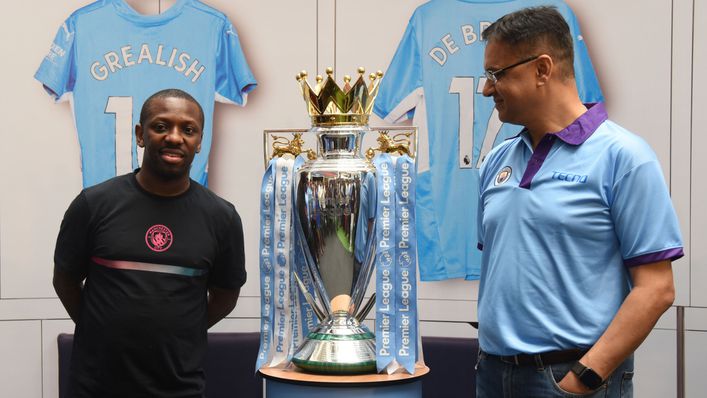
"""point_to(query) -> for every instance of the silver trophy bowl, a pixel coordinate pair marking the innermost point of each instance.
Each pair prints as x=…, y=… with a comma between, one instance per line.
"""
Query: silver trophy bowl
x=335, y=208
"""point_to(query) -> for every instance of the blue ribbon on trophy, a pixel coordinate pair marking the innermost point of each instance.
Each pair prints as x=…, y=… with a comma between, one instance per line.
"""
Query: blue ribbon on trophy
x=283, y=173
x=396, y=260
x=267, y=274
x=307, y=319
x=405, y=238
x=385, y=262
x=285, y=314
x=303, y=317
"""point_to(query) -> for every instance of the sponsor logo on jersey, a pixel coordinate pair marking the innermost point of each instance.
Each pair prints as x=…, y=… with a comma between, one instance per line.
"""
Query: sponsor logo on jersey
x=569, y=177
x=55, y=52
x=159, y=238
x=503, y=175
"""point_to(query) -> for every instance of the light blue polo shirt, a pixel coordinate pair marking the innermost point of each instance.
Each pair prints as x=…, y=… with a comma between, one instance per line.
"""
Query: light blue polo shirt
x=560, y=226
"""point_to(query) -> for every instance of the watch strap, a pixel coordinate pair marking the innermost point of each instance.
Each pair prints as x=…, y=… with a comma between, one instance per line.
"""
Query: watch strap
x=587, y=376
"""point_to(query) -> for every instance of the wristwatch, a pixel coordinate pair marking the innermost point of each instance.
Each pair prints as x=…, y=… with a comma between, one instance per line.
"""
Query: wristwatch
x=587, y=376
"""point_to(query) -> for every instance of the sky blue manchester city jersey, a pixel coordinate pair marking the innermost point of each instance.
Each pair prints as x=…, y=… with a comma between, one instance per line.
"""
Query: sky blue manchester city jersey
x=437, y=75
x=560, y=227
x=107, y=59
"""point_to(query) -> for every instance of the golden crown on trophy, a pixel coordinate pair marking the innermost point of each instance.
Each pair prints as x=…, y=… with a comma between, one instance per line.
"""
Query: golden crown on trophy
x=328, y=104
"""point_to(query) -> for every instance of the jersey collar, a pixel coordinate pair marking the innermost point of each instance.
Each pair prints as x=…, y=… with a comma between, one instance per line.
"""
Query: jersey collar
x=579, y=130
x=575, y=134
x=486, y=1
x=585, y=125
x=129, y=13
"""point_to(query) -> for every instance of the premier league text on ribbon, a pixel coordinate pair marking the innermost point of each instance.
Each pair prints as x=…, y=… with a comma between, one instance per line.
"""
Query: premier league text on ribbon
x=396, y=326
x=266, y=264
x=406, y=309
x=283, y=252
x=265, y=258
x=385, y=255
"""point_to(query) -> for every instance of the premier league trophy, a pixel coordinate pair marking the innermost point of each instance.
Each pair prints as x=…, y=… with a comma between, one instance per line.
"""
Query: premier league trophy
x=334, y=217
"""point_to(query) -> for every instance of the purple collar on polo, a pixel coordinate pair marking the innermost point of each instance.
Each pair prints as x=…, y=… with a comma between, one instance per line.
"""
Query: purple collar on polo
x=575, y=134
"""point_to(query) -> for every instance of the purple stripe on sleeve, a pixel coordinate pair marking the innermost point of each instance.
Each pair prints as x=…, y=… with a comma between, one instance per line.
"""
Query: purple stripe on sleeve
x=536, y=161
x=669, y=254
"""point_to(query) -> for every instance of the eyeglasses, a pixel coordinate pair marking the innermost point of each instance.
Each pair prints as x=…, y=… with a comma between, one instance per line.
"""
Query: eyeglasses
x=494, y=75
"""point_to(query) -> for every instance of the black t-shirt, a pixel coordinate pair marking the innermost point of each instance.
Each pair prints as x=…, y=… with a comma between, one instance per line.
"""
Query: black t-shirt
x=148, y=261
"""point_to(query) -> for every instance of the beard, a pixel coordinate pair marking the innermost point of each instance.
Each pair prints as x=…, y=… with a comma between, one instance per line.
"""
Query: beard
x=166, y=171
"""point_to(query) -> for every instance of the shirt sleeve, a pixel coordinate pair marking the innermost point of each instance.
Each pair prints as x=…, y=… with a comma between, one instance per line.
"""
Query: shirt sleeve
x=234, y=79
x=647, y=229
x=403, y=77
x=57, y=72
x=72, y=251
x=229, y=268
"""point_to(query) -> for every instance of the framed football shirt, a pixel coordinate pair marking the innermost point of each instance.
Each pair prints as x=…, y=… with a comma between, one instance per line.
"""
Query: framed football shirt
x=436, y=78
x=107, y=59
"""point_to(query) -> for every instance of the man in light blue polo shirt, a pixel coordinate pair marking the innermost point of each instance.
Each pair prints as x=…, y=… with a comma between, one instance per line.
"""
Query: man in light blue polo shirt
x=576, y=227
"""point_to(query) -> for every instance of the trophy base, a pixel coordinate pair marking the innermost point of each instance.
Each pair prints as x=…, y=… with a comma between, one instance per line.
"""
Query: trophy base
x=339, y=346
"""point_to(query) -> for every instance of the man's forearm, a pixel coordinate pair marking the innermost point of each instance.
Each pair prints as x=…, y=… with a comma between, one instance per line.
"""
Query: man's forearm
x=632, y=324
x=220, y=303
x=651, y=296
x=68, y=290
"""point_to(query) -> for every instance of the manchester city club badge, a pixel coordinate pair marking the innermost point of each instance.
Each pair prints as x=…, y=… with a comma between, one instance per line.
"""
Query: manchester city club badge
x=503, y=175
x=158, y=238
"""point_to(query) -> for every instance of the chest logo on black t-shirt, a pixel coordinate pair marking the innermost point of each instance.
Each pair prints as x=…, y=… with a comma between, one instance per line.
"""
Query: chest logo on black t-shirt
x=158, y=238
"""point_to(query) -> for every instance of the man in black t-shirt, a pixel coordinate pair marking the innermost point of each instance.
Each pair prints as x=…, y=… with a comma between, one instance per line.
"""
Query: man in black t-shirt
x=146, y=262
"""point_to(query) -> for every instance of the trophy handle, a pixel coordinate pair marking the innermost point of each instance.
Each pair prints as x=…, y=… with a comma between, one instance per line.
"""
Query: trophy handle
x=279, y=143
x=310, y=300
x=366, y=309
x=399, y=143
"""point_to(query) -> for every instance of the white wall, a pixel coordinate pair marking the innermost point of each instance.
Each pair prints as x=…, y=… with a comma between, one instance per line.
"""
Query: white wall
x=647, y=54
x=698, y=107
